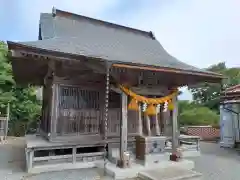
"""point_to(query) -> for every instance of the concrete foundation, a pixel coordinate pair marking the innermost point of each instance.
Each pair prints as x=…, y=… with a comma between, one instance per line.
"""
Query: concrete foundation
x=136, y=168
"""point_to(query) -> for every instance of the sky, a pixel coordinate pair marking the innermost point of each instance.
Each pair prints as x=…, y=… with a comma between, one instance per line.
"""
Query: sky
x=197, y=32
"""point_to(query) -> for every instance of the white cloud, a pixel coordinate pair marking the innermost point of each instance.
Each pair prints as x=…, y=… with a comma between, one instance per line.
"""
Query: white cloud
x=200, y=33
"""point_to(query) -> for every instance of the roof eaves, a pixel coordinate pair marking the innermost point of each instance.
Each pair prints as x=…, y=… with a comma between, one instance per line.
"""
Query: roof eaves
x=14, y=45
x=170, y=70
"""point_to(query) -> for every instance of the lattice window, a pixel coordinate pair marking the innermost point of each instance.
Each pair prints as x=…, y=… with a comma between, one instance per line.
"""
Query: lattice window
x=76, y=98
x=79, y=111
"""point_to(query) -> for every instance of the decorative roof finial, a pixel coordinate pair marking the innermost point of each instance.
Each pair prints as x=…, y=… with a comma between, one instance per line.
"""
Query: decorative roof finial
x=54, y=11
x=152, y=35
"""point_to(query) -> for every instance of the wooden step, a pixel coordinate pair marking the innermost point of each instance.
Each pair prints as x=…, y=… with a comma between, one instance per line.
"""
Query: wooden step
x=169, y=174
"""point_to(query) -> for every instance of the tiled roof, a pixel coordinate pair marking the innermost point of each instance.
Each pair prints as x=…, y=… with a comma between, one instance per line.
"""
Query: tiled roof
x=78, y=35
x=233, y=89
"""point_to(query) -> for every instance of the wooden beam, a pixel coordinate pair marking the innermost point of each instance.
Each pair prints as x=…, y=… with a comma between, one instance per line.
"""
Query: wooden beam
x=169, y=70
x=96, y=66
x=150, y=90
x=145, y=90
x=115, y=89
x=16, y=53
x=34, y=55
x=45, y=158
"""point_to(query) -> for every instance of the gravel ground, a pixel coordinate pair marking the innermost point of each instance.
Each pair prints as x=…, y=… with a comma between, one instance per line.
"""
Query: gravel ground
x=215, y=163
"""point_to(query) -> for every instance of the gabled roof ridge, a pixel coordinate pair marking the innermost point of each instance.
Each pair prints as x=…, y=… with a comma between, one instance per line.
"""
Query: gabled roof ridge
x=45, y=13
x=66, y=14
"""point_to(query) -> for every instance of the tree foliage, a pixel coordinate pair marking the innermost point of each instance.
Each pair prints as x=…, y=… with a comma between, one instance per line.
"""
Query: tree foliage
x=209, y=94
x=191, y=113
x=204, y=110
x=24, y=106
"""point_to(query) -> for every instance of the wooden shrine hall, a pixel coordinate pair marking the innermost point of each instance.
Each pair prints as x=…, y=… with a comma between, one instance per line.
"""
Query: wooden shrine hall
x=105, y=87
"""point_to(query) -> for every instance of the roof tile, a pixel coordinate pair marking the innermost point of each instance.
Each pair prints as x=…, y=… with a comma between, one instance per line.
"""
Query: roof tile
x=93, y=38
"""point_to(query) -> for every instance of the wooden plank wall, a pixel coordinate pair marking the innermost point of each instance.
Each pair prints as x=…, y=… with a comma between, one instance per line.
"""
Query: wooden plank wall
x=80, y=112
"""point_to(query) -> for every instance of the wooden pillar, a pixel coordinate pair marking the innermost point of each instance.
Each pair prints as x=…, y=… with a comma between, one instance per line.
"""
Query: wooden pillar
x=161, y=116
x=123, y=130
x=140, y=128
x=166, y=121
x=54, y=109
x=156, y=121
x=175, y=133
x=48, y=81
x=148, y=125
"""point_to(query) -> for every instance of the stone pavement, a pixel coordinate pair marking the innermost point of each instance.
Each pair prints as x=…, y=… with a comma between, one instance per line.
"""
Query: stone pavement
x=215, y=163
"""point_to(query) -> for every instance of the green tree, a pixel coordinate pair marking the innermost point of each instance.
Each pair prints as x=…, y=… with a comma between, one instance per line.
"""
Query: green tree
x=25, y=108
x=191, y=113
x=184, y=105
x=209, y=94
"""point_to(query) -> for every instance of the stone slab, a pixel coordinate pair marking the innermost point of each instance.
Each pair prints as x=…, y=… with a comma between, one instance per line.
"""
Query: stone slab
x=152, y=159
x=173, y=173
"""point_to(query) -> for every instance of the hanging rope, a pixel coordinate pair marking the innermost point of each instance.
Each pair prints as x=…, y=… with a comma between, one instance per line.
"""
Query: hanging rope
x=151, y=110
x=133, y=105
x=151, y=102
x=106, y=119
